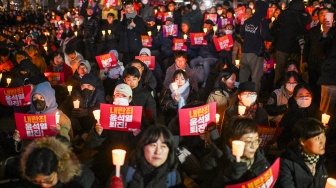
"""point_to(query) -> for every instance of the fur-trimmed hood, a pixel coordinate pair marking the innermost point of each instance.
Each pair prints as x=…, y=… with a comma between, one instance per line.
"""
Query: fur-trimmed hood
x=68, y=164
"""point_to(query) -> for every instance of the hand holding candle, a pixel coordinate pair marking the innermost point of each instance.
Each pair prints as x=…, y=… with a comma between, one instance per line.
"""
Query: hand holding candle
x=109, y=31
x=241, y=110
x=325, y=119
x=238, y=149
x=158, y=27
x=217, y=118
x=9, y=81
x=75, y=33
x=69, y=89
x=215, y=28
x=96, y=114
x=76, y=103
x=185, y=36
x=237, y=61
x=118, y=158
x=174, y=86
x=205, y=30
x=149, y=33
x=103, y=32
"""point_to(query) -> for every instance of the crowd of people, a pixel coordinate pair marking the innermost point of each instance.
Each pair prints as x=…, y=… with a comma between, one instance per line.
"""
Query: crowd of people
x=280, y=67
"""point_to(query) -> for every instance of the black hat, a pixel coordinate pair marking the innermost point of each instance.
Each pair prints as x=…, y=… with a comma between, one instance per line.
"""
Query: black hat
x=186, y=21
x=90, y=7
x=247, y=86
x=89, y=79
x=170, y=19
x=208, y=21
x=150, y=19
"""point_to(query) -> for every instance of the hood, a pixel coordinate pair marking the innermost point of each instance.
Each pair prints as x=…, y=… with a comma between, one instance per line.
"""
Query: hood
x=261, y=8
x=48, y=93
x=29, y=67
x=86, y=63
x=68, y=164
x=146, y=50
x=115, y=54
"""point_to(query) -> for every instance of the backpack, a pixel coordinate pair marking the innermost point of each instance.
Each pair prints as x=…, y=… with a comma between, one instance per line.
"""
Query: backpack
x=171, y=178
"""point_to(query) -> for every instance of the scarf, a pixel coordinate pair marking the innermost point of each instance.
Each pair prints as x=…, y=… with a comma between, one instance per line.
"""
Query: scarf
x=251, y=110
x=183, y=92
x=131, y=17
x=57, y=68
x=311, y=159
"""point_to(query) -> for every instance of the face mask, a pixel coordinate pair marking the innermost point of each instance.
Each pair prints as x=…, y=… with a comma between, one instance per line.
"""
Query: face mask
x=194, y=7
x=219, y=12
x=251, y=6
x=328, y=6
x=248, y=100
x=144, y=1
x=86, y=93
x=290, y=87
x=228, y=32
x=121, y=102
x=304, y=102
x=39, y=105
x=202, y=7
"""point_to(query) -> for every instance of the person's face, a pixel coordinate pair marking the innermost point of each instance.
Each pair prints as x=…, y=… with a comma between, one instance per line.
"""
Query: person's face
x=120, y=95
x=230, y=81
x=156, y=153
x=229, y=14
x=19, y=58
x=132, y=81
x=171, y=7
x=72, y=56
x=82, y=70
x=208, y=26
x=138, y=66
x=109, y=19
x=314, y=145
x=276, y=13
x=87, y=86
x=248, y=11
x=37, y=96
x=303, y=92
x=212, y=11
x=322, y=16
x=292, y=68
x=150, y=23
x=89, y=12
x=181, y=62
x=58, y=60
x=180, y=80
x=129, y=9
x=252, y=142
x=46, y=181
x=292, y=83
x=185, y=28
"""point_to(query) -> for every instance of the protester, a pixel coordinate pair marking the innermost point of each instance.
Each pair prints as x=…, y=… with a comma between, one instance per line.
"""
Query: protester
x=58, y=65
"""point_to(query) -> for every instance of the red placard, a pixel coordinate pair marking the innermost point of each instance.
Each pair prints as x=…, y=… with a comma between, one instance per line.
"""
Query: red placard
x=170, y=30
x=7, y=66
x=111, y=2
x=212, y=17
x=120, y=118
x=266, y=179
x=107, y=61
x=270, y=12
x=55, y=78
x=194, y=121
x=242, y=18
x=146, y=41
x=223, y=42
x=148, y=60
x=310, y=10
x=268, y=135
x=19, y=96
x=197, y=39
x=33, y=126
x=159, y=16
x=178, y=45
x=240, y=10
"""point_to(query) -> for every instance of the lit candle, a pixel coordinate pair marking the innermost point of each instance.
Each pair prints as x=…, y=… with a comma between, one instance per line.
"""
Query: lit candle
x=274, y=65
x=272, y=19
x=45, y=48
x=158, y=27
x=9, y=81
x=77, y=22
x=69, y=89
x=76, y=104
x=103, y=32
x=237, y=61
x=57, y=117
x=185, y=36
x=331, y=183
x=72, y=24
x=238, y=149
x=109, y=31
x=0, y=76
x=205, y=30
x=174, y=86
x=149, y=33
x=325, y=118
x=241, y=110
x=215, y=28
x=75, y=33
x=108, y=5
x=169, y=13
x=155, y=11
x=96, y=114
x=217, y=118
x=118, y=158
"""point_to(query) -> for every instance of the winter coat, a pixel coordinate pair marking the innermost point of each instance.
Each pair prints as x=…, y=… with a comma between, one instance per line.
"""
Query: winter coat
x=208, y=51
x=293, y=115
x=40, y=63
x=130, y=39
x=145, y=11
x=277, y=104
x=90, y=28
x=196, y=20
x=142, y=97
x=295, y=173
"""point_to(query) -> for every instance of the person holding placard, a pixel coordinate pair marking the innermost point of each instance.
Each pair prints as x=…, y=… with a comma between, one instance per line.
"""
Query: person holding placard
x=299, y=106
x=179, y=94
x=154, y=161
x=222, y=167
x=247, y=96
x=58, y=65
x=302, y=164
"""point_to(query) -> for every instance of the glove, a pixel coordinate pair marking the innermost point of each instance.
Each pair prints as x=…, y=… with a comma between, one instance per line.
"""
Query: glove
x=79, y=112
x=236, y=170
x=116, y=182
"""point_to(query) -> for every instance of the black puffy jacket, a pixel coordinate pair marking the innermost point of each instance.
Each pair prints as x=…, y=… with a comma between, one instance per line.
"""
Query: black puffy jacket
x=90, y=27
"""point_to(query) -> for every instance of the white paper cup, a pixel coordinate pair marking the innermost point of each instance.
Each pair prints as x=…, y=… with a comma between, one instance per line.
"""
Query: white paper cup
x=241, y=110
x=238, y=149
x=329, y=16
x=118, y=158
x=331, y=183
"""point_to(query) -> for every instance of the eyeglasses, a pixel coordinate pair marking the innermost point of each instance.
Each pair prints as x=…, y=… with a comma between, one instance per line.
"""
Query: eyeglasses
x=253, y=94
x=252, y=143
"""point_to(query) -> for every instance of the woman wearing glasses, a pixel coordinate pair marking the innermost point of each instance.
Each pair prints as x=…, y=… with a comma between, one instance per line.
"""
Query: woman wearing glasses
x=247, y=96
x=222, y=165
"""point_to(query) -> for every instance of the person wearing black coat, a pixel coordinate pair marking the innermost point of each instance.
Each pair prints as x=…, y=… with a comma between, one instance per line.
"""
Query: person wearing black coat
x=90, y=29
x=109, y=40
x=302, y=165
x=130, y=28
